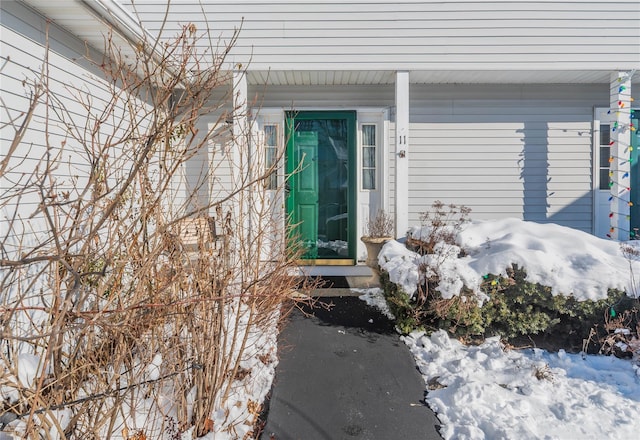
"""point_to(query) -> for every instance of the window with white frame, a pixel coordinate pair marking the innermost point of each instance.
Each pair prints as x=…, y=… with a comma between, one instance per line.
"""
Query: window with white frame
x=604, y=154
x=369, y=153
x=271, y=154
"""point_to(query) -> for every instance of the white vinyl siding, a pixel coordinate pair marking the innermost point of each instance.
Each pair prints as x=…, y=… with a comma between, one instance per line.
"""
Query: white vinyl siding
x=510, y=151
x=503, y=150
x=412, y=34
x=69, y=78
x=220, y=173
x=391, y=158
x=323, y=97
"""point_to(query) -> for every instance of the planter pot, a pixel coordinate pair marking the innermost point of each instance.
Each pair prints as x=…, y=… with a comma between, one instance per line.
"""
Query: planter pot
x=374, y=245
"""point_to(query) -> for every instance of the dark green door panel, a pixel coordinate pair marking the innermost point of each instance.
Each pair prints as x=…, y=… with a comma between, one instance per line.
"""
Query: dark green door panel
x=305, y=190
x=321, y=169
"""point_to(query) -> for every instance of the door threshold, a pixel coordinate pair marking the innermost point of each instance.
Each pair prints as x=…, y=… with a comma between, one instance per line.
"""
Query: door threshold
x=359, y=271
x=327, y=262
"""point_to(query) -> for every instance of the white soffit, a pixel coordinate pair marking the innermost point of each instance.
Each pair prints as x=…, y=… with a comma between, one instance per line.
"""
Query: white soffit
x=302, y=78
x=78, y=19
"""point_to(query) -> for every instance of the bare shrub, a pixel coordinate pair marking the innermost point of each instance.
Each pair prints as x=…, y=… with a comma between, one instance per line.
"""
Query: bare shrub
x=543, y=372
x=618, y=332
x=382, y=225
x=440, y=224
x=435, y=240
x=129, y=302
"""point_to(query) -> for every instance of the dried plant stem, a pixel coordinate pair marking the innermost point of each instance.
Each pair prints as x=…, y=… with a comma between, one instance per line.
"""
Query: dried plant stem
x=124, y=294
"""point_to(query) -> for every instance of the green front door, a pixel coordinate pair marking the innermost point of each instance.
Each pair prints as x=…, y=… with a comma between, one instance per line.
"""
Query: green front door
x=321, y=170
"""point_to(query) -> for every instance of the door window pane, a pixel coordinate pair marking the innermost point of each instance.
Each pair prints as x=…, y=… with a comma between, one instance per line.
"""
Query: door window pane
x=605, y=134
x=369, y=135
x=369, y=156
x=368, y=179
x=605, y=153
x=270, y=154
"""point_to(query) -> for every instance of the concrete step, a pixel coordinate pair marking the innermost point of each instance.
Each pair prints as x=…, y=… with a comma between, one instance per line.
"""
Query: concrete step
x=337, y=281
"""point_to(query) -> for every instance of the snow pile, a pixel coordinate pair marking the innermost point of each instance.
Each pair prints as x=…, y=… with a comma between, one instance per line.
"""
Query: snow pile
x=236, y=418
x=233, y=418
x=401, y=264
x=569, y=261
x=374, y=298
x=485, y=392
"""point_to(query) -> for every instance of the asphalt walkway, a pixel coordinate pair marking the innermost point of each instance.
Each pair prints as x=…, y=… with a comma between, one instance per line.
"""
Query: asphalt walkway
x=345, y=374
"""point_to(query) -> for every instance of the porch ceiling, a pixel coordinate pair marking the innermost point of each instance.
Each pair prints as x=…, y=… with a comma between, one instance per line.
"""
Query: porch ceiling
x=354, y=77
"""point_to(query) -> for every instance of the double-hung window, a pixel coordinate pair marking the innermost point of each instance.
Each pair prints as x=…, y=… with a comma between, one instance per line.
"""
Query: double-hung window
x=369, y=153
x=604, y=154
x=271, y=155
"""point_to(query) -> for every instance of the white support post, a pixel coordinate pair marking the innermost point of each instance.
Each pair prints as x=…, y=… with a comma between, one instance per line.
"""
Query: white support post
x=241, y=149
x=384, y=187
x=620, y=177
x=402, y=154
x=193, y=184
x=240, y=111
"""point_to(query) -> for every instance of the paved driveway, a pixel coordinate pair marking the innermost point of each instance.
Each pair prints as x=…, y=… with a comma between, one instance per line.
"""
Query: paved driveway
x=345, y=374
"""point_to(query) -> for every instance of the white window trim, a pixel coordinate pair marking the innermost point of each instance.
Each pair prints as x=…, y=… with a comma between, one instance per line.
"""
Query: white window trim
x=379, y=118
x=364, y=115
x=377, y=159
x=272, y=117
x=599, y=118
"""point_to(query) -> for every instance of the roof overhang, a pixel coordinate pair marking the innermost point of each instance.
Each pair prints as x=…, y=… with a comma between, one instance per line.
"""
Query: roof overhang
x=101, y=24
x=93, y=20
x=368, y=77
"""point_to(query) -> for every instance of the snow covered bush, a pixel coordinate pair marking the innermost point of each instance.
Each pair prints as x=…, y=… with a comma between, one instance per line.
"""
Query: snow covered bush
x=416, y=299
x=507, y=277
x=518, y=307
x=515, y=307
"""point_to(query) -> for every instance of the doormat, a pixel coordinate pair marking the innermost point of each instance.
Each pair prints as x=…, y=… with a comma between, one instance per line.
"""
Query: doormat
x=329, y=282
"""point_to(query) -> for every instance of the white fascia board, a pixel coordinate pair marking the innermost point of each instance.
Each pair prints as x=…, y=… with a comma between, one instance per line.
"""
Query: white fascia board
x=123, y=22
x=119, y=19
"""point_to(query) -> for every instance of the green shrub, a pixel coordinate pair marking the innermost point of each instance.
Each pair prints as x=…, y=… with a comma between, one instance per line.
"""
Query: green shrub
x=515, y=308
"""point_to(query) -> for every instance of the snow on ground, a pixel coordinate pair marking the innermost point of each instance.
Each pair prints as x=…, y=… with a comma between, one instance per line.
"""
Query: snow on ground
x=567, y=260
x=488, y=392
x=234, y=418
x=374, y=298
